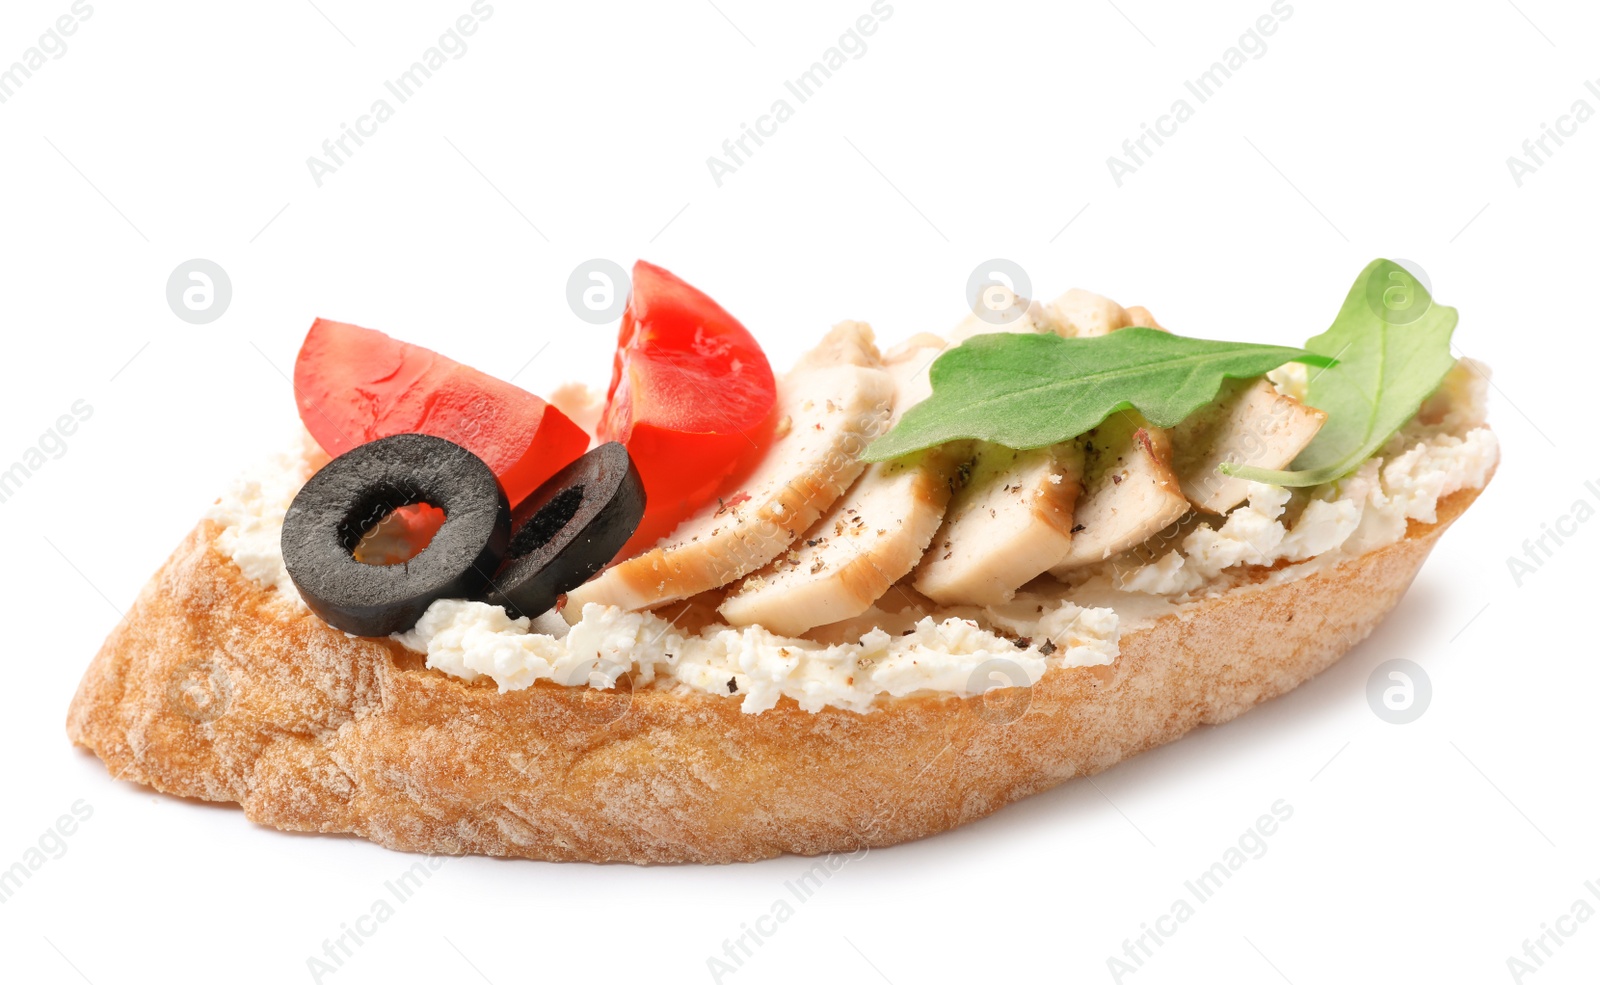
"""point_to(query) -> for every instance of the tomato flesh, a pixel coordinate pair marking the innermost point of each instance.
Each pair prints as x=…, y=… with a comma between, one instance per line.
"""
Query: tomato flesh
x=400, y=536
x=692, y=397
x=354, y=385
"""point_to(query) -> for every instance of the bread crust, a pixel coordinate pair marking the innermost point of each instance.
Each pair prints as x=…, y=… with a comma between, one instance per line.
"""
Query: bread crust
x=212, y=688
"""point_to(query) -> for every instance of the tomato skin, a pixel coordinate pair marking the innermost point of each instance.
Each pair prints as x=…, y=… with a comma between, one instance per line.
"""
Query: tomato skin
x=692, y=397
x=354, y=385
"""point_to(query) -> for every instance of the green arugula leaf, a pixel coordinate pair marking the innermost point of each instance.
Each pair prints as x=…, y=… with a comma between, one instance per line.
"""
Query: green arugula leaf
x=1393, y=346
x=1028, y=391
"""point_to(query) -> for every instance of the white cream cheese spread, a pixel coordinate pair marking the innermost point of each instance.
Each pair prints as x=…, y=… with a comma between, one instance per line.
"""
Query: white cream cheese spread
x=251, y=515
x=960, y=651
x=954, y=655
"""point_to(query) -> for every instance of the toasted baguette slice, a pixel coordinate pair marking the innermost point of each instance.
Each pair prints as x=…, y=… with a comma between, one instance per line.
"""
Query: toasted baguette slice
x=213, y=688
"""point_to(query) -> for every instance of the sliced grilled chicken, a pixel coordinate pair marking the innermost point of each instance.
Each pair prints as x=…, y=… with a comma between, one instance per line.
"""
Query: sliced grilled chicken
x=1250, y=423
x=868, y=540
x=1083, y=314
x=831, y=405
x=1009, y=522
x=1011, y=515
x=1141, y=317
x=1022, y=316
x=1090, y=491
x=1130, y=492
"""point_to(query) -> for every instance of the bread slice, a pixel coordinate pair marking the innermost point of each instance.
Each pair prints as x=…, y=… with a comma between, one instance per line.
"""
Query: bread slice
x=213, y=688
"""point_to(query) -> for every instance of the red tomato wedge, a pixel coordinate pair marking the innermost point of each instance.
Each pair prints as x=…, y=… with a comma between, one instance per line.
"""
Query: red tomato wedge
x=354, y=385
x=692, y=397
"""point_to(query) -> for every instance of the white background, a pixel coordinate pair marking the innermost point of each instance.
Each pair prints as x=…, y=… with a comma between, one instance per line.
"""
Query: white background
x=1426, y=852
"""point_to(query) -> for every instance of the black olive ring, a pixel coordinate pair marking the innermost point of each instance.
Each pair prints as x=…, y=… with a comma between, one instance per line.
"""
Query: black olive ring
x=355, y=491
x=568, y=529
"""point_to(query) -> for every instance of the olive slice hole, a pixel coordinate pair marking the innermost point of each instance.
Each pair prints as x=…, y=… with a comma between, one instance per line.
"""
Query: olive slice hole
x=549, y=521
x=399, y=535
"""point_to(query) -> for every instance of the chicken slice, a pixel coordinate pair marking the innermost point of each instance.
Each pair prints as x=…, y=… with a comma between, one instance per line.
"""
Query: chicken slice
x=1141, y=317
x=870, y=539
x=1250, y=423
x=1083, y=314
x=1010, y=519
x=1130, y=492
x=1022, y=317
x=1007, y=525
x=1018, y=554
x=831, y=405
